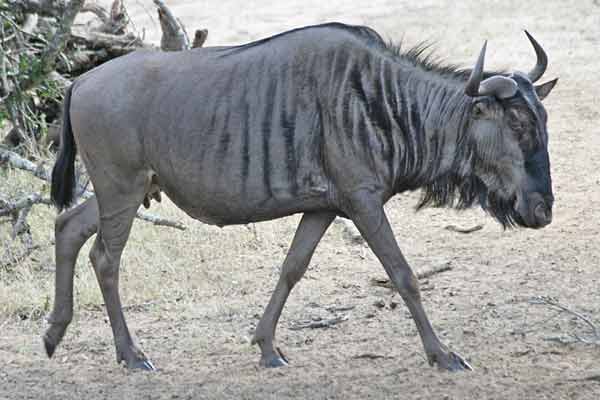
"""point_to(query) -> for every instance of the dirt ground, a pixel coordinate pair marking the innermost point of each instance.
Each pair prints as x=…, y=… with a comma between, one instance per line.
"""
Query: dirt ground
x=194, y=297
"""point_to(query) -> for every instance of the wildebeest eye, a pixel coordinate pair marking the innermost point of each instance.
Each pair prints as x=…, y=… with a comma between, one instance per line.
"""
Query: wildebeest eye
x=517, y=121
x=518, y=126
x=479, y=110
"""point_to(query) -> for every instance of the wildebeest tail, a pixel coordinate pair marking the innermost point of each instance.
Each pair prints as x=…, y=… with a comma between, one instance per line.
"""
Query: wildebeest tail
x=63, y=173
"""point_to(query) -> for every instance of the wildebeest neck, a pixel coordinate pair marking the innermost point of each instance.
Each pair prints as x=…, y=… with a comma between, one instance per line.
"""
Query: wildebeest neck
x=408, y=117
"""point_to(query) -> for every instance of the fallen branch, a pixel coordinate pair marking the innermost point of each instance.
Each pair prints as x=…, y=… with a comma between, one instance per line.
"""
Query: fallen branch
x=8, y=208
x=386, y=283
x=19, y=210
x=321, y=323
x=16, y=161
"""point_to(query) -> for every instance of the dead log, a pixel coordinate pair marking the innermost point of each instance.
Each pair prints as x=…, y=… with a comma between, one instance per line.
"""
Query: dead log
x=174, y=37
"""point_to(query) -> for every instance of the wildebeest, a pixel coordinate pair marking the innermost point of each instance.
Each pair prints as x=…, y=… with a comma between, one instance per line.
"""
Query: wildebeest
x=327, y=121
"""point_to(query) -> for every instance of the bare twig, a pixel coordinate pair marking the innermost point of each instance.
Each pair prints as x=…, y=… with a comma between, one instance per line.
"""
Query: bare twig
x=435, y=270
x=335, y=309
x=472, y=229
x=155, y=220
x=553, y=303
x=369, y=356
x=321, y=323
x=385, y=282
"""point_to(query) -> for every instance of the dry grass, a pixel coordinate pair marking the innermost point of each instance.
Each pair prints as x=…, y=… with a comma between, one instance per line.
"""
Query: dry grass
x=194, y=296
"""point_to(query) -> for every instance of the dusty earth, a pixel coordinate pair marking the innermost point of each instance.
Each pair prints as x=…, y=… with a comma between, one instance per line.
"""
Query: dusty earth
x=194, y=297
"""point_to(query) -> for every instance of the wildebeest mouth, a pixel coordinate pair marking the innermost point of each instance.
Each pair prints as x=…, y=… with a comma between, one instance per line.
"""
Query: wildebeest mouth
x=535, y=209
x=532, y=213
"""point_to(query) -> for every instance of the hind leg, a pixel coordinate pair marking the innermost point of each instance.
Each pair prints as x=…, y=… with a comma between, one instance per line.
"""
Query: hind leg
x=117, y=211
x=72, y=229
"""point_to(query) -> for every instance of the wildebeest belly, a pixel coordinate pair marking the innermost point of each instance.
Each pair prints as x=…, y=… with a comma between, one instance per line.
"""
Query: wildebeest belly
x=244, y=173
x=226, y=200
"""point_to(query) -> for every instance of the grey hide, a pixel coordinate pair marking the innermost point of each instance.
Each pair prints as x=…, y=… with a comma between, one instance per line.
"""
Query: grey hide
x=326, y=121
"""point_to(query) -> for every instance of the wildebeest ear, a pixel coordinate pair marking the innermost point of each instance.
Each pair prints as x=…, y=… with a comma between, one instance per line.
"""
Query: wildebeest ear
x=544, y=89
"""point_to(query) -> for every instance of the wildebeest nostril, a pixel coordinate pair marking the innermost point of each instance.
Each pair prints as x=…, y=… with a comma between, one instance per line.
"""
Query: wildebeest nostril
x=542, y=213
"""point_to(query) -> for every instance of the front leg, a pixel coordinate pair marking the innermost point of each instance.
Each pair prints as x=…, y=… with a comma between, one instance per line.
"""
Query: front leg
x=367, y=213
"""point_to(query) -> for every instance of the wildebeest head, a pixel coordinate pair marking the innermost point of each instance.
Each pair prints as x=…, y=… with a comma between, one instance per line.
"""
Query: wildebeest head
x=508, y=140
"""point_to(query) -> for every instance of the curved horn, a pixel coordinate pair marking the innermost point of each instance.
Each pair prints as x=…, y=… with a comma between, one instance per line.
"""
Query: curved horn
x=472, y=88
x=499, y=86
x=542, y=60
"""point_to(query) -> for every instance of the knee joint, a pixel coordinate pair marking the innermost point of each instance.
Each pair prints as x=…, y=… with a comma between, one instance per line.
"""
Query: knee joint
x=292, y=271
x=101, y=260
x=408, y=285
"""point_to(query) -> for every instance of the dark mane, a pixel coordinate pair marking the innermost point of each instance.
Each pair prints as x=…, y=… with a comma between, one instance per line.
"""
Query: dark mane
x=423, y=56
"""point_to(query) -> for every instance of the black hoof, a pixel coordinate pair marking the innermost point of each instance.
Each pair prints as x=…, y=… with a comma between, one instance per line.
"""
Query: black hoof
x=274, y=362
x=144, y=365
x=455, y=363
x=50, y=346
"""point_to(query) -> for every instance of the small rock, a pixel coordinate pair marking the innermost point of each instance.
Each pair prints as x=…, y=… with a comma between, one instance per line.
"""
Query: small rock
x=379, y=304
